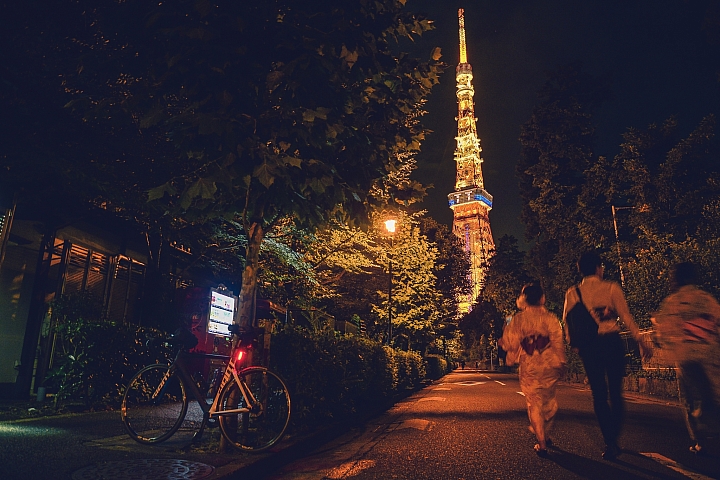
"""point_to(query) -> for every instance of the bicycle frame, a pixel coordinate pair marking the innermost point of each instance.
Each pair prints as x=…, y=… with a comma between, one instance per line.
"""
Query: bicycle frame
x=209, y=410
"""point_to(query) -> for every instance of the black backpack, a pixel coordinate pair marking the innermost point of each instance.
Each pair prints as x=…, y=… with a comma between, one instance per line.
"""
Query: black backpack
x=582, y=327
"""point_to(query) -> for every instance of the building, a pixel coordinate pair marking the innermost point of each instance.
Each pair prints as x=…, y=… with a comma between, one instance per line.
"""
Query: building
x=470, y=202
x=40, y=262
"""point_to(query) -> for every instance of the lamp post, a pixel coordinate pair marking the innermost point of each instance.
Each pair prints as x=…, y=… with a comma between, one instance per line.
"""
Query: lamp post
x=617, y=240
x=390, y=227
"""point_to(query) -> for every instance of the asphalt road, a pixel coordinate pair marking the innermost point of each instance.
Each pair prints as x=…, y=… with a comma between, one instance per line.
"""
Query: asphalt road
x=473, y=425
x=469, y=425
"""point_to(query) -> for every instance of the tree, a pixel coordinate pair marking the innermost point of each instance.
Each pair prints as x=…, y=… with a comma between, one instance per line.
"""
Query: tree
x=560, y=205
x=506, y=276
x=415, y=298
x=452, y=267
x=276, y=109
x=670, y=184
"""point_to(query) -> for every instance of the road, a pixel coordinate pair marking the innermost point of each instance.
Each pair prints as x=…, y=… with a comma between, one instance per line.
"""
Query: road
x=473, y=425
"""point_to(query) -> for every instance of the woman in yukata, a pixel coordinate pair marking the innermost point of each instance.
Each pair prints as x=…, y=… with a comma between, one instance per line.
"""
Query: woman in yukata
x=534, y=338
x=687, y=328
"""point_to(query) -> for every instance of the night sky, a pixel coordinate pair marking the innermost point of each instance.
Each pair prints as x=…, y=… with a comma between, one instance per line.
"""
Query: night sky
x=656, y=55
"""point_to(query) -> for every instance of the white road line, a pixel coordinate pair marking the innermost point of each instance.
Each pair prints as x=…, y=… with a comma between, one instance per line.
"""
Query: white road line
x=486, y=376
x=498, y=381
x=520, y=393
x=673, y=465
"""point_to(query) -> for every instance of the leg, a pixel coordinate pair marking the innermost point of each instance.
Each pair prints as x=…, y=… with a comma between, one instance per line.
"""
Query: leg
x=696, y=397
x=550, y=408
x=595, y=371
x=533, y=391
x=615, y=361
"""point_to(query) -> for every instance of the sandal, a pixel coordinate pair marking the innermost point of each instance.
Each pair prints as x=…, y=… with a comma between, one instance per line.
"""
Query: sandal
x=697, y=449
x=541, y=452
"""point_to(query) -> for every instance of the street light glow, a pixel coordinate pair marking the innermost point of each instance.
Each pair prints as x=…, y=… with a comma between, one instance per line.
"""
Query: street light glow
x=390, y=225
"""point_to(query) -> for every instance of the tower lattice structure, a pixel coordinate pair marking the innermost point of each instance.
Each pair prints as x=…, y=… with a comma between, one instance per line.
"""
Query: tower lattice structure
x=470, y=202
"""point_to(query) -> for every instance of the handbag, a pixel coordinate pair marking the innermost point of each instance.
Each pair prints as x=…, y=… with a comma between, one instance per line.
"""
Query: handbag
x=582, y=326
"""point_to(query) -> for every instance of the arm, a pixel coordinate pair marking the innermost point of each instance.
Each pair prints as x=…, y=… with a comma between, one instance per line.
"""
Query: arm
x=556, y=336
x=569, y=303
x=621, y=307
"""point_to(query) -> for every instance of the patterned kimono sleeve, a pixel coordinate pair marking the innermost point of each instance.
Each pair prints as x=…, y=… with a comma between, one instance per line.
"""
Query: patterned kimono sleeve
x=510, y=341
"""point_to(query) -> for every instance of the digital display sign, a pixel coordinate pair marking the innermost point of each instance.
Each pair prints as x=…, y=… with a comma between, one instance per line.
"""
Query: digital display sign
x=222, y=312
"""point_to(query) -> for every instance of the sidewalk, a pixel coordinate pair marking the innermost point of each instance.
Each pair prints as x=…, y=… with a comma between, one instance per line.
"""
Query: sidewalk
x=94, y=445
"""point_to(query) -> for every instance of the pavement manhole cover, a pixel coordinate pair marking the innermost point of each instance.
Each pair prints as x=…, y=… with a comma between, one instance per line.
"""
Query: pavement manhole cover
x=156, y=469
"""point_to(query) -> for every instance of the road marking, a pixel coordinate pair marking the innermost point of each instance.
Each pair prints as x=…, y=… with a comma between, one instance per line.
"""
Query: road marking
x=486, y=376
x=520, y=393
x=442, y=388
x=429, y=399
x=416, y=423
x=673, y=465
x=349, y=469
x=498, y=381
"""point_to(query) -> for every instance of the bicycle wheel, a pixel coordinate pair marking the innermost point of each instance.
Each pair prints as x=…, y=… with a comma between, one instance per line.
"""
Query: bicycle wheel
x=152, y=420
x=264, y=422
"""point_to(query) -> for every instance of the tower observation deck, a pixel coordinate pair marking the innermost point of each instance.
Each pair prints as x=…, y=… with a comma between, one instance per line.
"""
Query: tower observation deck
x=470, y=202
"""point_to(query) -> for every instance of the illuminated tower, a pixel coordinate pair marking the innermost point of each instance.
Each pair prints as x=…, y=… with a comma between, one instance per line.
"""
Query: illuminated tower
x=469, y=202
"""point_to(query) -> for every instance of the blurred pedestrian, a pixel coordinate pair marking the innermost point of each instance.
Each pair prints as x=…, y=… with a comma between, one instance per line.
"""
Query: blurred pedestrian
x=603, y=354
x=534, y=339
x=686, y=327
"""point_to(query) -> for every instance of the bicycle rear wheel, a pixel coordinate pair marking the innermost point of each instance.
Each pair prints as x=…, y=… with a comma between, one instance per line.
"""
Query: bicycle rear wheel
x=265, y=422
x=152, y=411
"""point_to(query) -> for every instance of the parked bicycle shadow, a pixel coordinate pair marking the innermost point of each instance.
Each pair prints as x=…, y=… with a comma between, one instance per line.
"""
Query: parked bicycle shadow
x=602, y=470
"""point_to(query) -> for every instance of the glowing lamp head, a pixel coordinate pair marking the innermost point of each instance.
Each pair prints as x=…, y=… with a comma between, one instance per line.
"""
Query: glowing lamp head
x=239, y=355
x=390, y=225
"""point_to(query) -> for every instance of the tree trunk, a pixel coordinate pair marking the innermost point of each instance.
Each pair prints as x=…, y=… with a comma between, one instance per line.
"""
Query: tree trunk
x=249, y=279
x=247, y=294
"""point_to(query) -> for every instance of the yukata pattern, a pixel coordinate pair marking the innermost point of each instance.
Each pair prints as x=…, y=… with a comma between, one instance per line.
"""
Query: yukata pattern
x=539, y=372
x=687, y=326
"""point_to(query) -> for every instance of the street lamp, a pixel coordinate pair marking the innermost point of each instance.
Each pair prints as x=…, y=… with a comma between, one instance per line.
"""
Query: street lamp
x=390, y=227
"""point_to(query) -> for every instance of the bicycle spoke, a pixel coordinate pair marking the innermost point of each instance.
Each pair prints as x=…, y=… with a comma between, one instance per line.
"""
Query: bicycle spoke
x=260, y=424
x=148, y=419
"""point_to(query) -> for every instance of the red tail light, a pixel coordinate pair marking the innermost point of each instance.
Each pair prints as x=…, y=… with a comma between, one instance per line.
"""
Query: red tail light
x=239, y=355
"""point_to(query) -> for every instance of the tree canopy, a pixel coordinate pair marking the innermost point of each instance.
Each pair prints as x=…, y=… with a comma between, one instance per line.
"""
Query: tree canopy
x=652, y=205
x=243, y=112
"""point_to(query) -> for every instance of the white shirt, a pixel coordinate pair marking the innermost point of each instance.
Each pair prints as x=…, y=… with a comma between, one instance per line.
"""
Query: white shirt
x=605, y=301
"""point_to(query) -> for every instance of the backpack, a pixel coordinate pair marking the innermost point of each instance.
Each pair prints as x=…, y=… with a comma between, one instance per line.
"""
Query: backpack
x=582, y=327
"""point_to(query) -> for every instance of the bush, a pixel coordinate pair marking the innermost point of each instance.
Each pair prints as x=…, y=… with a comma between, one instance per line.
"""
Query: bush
x=410, y=368
x=332, y=377
x=436, y=366
x=96, y=359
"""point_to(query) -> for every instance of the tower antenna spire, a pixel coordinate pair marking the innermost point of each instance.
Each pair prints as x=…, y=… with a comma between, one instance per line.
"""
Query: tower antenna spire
x=463, y=50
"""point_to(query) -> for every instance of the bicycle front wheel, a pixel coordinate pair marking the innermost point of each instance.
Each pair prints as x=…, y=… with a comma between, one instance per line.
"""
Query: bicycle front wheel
x=154, y=404
x=263, y=416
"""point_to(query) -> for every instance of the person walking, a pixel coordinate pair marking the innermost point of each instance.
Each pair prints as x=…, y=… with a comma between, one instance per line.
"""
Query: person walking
x=686, y=327
x=603, y=355
x=534, y=338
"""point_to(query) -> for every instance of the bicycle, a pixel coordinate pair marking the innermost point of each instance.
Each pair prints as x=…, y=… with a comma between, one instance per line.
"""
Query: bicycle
x=250, y=405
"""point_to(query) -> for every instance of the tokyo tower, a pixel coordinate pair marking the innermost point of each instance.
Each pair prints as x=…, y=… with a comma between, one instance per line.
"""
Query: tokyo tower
x=470, y=202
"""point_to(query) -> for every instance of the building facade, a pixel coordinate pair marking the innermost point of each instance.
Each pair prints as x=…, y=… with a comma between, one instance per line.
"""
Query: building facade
x=470, y=202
